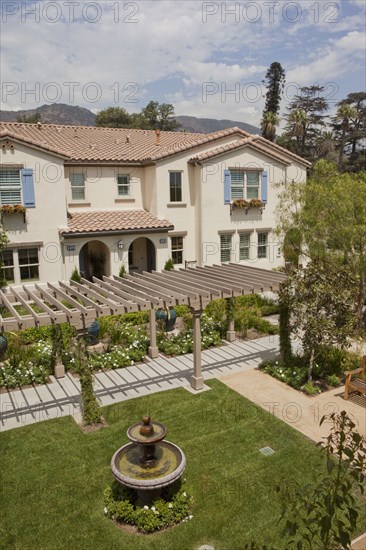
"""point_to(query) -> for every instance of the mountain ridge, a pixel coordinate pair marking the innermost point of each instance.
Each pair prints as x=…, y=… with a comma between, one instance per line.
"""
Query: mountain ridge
x=61, y=113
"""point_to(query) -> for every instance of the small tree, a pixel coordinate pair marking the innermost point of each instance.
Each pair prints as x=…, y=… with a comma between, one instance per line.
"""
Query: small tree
x=322, y=300
x=169, y=264
x=75, y=276
x=122, y=271
x=324, y=515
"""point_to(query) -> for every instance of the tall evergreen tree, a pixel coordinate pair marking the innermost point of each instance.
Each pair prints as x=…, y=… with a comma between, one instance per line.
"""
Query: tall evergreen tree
x=312, y=106
x=275, y=82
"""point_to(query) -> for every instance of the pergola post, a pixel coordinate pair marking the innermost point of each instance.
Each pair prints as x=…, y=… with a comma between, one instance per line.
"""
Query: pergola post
x=153, y=348
x=197, y=381
x=230, y=334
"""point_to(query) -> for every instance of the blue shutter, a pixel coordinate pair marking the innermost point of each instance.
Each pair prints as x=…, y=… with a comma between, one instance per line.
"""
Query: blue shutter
x=28, y=188
x=227, y=185
x=264, y=187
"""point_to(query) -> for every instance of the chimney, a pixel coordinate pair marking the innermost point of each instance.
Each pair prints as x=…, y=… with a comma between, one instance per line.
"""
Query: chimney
x=128, y=138
x=39, y=124
x=157, y=131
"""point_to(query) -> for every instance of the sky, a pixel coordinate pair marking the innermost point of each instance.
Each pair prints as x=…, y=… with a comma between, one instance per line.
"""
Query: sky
x=207, y=58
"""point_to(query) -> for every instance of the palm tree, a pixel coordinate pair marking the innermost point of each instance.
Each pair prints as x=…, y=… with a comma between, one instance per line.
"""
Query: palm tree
x=298, y=120
x=344, y=114
x=325, y=145
x=269, y=123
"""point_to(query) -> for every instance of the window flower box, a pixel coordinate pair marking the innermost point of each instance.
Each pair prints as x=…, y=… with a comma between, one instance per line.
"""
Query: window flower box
x=13, y=209
x=247, y=204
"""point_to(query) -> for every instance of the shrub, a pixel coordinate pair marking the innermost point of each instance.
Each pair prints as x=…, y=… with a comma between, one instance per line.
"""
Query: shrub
x=122, y=271
x=174, y=506
x=310, y=389
x=169, y=264
x=333, y=380
x=75, y=276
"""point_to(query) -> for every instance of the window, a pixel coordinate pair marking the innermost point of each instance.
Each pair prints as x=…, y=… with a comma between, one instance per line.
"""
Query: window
x=20, y=265
x=28, y=264
x=77, y=187
x=225, y=248
x=10, y=186
x=8, y=266
x=262, y=245
x=175, y=180
x=177, y=250
x=244, y=246
x=124, y=185
x=244, y=185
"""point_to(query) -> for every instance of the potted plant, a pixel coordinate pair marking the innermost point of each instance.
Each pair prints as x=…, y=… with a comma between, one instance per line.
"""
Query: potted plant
x=168, y=315
x=240, y=203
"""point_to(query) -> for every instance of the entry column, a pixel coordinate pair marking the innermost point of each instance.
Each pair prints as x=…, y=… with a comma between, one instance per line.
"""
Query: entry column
x=197, y=381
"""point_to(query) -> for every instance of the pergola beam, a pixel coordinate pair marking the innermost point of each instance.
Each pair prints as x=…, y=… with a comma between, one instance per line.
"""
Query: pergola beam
x=194, y=287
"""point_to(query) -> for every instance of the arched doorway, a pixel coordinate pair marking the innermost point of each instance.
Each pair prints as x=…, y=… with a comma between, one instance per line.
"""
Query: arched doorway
x=141, y=256
x=94, y=260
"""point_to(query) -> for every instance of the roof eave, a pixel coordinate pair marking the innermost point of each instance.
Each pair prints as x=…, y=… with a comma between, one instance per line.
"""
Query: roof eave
x=67, y=235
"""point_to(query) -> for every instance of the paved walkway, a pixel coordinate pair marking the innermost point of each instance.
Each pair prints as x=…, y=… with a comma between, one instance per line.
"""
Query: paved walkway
x=62, y=396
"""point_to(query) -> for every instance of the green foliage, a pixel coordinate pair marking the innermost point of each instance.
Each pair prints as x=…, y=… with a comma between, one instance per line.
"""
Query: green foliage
x=91, y=409
x=330, y=214
x=173, y=507
x=275, y=82
x=3, y=242
x=25, y=365
x=321, y=300
x=285, y=330
x=122, y=271
x=324, y=516
x=30, y=119
x=328, y=369
x=152, y=117
x=183, y=342
x=169, y=264
x=75, y=276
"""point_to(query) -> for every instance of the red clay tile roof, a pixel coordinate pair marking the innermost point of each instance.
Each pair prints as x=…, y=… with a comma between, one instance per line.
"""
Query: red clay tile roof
x=255, y=142
x=87, y=143
x=129, y=145
x=100, y=221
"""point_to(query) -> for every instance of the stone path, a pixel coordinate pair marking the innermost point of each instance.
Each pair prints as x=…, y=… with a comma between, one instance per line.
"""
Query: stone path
x=62, y=396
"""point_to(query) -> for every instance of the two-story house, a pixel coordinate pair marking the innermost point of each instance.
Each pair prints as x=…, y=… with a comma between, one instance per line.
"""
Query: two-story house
x=97, y=198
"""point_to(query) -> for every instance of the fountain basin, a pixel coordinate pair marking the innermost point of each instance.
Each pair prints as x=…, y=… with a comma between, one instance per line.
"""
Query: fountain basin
x=127, y=469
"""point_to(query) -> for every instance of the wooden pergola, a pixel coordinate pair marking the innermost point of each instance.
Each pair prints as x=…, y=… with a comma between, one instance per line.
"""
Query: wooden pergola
x=194, y=287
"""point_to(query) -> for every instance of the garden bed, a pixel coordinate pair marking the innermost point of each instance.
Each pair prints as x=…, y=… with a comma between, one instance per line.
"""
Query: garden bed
x=328, y=370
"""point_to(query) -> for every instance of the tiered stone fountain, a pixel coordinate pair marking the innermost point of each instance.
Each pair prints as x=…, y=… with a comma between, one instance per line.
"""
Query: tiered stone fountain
x=148, y=463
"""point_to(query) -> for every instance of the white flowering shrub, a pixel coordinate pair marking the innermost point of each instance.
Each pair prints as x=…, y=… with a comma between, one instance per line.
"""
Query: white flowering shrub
x=24, y=366
x=174, y=506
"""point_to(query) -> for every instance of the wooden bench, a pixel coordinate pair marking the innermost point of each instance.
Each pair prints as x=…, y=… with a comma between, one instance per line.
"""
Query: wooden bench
x=356, y=379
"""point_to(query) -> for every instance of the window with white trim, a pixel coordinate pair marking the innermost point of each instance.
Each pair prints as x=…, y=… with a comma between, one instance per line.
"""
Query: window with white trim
x=244, y=184
x=244, y=246
x=28, y=264
x=177, y=250
x=175, y=186
x=124, y=185
x=20, y=264
x=7, y=266
x=10, y=186
x=262, y=245
x=225, y=248
x=77, y=181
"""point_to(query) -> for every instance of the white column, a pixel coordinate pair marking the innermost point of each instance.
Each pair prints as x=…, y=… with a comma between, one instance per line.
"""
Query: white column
x=153, y=348
x=197, y=381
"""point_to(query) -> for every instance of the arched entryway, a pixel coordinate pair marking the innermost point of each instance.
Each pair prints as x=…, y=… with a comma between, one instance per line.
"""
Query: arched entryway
x=94, y=260
x=141, y=256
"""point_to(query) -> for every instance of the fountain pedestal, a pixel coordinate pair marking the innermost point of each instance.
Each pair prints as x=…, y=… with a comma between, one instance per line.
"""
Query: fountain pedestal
x=148, y=463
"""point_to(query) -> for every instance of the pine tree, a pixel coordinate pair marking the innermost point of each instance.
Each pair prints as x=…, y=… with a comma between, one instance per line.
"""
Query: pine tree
x=275, y=83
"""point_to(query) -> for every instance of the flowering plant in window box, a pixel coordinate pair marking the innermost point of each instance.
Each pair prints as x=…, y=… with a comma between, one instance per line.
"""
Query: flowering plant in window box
x=256, y=203
x=13, y=209
x=240, y=203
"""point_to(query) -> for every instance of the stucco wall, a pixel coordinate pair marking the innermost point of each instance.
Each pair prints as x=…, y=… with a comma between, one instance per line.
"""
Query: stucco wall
x=49, y=213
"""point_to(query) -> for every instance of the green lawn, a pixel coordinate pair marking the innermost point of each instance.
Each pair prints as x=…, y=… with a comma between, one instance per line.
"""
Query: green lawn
x=53, y=475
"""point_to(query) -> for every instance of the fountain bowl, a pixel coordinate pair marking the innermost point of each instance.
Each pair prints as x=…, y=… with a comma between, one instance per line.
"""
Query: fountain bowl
x=127, y=469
